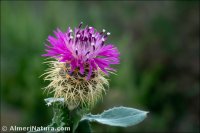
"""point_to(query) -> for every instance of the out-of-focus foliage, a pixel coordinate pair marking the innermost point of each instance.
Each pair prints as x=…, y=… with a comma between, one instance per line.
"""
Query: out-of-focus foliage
x=159, y=70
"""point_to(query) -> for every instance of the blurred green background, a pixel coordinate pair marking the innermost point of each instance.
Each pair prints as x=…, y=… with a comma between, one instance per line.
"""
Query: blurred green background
x=159, y=69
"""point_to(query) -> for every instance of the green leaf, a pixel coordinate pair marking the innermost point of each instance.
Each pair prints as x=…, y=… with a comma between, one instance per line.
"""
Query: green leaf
x=118, y=116
x=57, y=120
x=51, y=100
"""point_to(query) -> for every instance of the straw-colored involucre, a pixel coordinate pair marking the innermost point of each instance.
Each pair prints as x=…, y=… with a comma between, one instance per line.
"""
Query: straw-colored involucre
x=74, y=87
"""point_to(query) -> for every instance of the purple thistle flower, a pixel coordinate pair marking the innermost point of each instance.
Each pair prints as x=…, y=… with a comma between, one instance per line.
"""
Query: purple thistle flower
x=83, y=48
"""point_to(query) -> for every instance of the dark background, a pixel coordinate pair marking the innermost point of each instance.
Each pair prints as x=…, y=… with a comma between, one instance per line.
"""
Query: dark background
x=159, y=69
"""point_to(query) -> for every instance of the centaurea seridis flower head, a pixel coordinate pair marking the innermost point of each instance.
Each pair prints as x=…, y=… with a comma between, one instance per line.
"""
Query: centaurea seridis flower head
x=82, y=59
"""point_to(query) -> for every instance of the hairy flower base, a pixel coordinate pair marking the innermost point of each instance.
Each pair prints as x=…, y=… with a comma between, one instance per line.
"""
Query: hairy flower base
x=74, y=86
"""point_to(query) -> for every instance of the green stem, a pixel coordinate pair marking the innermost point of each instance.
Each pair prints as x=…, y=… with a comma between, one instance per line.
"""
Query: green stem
x=75, y=116
x=84, y=127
